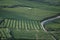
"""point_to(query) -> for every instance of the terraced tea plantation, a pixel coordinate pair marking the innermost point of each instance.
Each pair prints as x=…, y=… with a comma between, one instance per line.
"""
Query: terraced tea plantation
x=21, y=24
x=22, y=29
x=29, y=19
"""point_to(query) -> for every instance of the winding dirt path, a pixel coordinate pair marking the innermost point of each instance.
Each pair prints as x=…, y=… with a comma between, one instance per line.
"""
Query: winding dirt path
x=48, y=20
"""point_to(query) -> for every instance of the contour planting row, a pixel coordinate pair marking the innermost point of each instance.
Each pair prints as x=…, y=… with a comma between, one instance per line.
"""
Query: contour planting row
x=21, y=24
x=4, y=34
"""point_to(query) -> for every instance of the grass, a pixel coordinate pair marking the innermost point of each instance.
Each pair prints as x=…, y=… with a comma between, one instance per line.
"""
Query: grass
x=11, y=23
x=33, y=13
x=4, y=33
x=54, y=25
x=30, y=35
x=33, y=4
x=27, y=16
x=17, y=33
x=57, y=35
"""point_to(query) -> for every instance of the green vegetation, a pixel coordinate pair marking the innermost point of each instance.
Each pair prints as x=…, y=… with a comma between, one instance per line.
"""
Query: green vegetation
x=32, y=34
x=56, y=34
x=53, y=25
x=4, y=33
x=34, y=13
x=25, y=29
x=54, y=28
x=20, y=19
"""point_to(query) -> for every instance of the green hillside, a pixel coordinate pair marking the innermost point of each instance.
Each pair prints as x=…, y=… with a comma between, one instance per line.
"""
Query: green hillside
x=21, y=19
